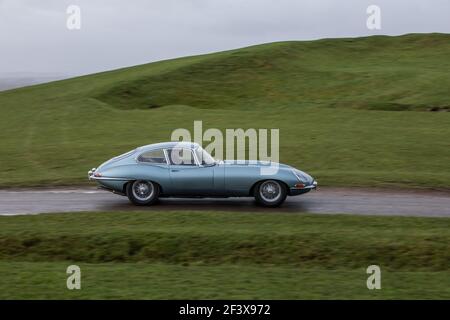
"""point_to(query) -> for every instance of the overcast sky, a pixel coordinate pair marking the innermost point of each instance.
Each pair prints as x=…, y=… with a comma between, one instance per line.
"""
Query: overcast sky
x=34, y=37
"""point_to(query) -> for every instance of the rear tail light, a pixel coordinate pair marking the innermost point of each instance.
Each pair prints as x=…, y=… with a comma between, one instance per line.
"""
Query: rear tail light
x=299, y=185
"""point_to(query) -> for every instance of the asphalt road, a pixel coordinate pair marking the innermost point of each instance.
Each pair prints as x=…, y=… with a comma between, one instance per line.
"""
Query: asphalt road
x=325, y=200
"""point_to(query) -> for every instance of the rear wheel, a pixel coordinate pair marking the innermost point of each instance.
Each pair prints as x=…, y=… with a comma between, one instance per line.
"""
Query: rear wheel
x=270, y=193
x=142, y=192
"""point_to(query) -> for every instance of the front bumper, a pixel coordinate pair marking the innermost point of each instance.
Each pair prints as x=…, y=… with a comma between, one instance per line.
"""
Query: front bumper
x=91, y=173
x=294, y=191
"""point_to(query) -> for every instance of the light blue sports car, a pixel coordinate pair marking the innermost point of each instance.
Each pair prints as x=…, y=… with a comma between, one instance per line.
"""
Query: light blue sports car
x=185, y=169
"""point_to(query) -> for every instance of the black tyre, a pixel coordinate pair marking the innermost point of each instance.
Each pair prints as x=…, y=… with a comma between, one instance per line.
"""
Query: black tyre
x=142, y=192
x=270, y=193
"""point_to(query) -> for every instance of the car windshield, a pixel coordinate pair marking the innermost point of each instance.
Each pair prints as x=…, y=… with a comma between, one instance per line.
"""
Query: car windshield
x=204, y=157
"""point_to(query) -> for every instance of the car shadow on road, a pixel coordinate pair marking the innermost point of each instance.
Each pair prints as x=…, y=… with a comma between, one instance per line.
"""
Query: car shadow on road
x=206, y=204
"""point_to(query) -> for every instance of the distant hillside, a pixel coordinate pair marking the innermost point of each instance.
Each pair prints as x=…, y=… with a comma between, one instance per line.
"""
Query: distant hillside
x=11, y=80
x=410, y=72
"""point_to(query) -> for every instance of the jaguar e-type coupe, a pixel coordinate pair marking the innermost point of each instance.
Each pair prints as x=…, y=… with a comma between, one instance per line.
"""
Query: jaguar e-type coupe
x=185, y=169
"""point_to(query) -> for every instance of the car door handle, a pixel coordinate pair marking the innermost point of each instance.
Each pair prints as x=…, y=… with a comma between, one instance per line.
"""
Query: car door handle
x=174, y=170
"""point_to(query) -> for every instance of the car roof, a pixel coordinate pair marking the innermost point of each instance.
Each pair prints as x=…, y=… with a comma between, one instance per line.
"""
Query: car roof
x=171, y=144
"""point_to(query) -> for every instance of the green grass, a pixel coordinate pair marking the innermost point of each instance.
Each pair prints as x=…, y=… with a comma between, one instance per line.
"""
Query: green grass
x=47, y=280
x=229, y=255
x=332, y=100
x=382, y=73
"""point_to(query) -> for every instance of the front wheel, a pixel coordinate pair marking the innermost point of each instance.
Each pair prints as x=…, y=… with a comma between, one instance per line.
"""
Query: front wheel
x=270, y=193
x=142, y=192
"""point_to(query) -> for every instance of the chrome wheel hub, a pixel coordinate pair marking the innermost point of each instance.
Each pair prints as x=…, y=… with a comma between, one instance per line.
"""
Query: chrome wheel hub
x=270, y=191
x=142, y=190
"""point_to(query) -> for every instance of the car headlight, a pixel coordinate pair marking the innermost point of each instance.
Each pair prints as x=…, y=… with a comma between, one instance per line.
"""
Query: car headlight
x=302, y=176
x=299, y=176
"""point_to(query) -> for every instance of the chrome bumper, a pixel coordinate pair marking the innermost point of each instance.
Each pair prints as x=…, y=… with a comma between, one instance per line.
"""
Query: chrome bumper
x=91, y=173
x=297, y=191
x=311, y=186
x=92, y=176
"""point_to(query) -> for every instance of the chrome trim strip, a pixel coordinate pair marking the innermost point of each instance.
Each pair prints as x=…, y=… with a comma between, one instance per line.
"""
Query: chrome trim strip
x=195, y=157
x=166, y=156
x=109, y=178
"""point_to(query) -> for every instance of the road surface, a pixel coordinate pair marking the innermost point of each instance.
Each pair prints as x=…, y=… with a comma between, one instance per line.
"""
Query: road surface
x=325, y=200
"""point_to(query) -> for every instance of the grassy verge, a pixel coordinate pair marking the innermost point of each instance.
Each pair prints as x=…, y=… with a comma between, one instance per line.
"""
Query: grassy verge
x=223, y=255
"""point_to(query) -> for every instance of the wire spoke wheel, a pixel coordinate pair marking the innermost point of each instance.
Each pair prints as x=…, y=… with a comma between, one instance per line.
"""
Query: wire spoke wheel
x=142, y=192
x=270, y=191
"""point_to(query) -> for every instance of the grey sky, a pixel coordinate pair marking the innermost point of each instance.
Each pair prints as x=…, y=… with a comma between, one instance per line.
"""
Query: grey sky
x=34, y=37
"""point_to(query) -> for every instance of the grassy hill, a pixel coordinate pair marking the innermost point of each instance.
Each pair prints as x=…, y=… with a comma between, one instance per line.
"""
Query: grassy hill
x=331, y=99
x=384, y=73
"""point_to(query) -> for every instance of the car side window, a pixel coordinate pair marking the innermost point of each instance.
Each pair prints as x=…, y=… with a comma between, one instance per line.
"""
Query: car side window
x=181, y=157
x=154, y=156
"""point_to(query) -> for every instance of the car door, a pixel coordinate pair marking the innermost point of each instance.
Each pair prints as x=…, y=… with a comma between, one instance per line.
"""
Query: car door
x=152, y=166
x=187, y=176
